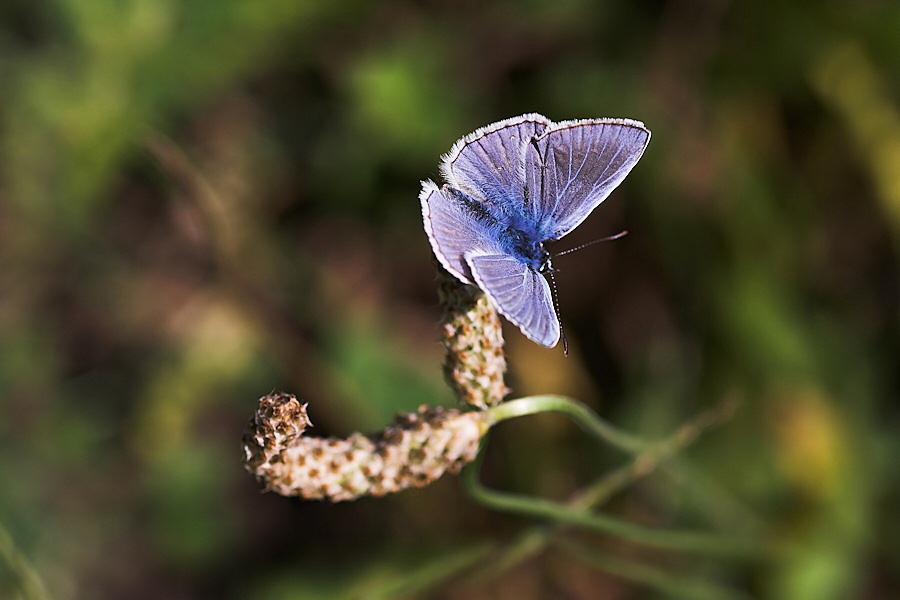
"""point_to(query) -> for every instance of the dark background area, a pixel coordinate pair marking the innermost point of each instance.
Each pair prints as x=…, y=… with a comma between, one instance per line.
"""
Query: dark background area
x=204, y=201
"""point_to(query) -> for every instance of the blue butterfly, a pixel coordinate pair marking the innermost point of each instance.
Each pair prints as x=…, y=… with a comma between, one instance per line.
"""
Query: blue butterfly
x=513, y=186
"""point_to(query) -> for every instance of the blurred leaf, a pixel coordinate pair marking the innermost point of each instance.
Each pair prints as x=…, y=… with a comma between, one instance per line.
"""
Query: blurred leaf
x=372, y=368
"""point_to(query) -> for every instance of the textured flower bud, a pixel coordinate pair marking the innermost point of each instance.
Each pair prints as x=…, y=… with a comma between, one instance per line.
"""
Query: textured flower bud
x=415, y=450
x=475, y=364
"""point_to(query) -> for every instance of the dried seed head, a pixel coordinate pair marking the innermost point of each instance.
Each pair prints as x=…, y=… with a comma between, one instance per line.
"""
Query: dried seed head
x=412, y=452
x=475, y=364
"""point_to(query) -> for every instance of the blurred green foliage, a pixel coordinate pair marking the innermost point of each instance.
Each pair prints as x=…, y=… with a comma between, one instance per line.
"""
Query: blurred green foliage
x=201, y=201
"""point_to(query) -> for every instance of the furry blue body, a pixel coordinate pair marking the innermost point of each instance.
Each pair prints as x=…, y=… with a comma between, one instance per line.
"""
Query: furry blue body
x=517, y=235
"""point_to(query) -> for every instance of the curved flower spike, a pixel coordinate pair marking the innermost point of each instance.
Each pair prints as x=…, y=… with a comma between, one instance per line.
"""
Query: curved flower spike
x=415, y=450
x=475, y=365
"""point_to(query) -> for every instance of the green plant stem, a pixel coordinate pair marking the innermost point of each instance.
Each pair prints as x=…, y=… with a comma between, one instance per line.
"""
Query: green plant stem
x=575, y=513
x=578, y=412
x=686, y=541
x=537, y=538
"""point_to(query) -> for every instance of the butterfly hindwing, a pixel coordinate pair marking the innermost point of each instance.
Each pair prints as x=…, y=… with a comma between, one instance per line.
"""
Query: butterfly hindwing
x=453, y=229
x=520, y=293
x=572, y=167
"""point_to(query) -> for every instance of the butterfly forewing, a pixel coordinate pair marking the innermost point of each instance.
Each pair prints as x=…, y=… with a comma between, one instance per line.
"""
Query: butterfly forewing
x=521, y=294
x=573, y=166
x=488, y=163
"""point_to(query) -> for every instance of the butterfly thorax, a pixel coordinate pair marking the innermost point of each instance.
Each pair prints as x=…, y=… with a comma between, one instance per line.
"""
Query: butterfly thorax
x=523, y=239
x=517, y=234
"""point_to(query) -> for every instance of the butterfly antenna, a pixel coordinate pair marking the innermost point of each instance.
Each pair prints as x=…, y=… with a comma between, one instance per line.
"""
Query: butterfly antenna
x=556, y=310
x=610, y=238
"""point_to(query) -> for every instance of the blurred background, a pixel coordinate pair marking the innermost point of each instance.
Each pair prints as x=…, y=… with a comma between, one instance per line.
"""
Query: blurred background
x=204, y=201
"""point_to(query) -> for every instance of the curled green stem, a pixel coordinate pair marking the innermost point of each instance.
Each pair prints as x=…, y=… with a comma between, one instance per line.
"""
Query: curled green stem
x=578, y=412
x=647, y=456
